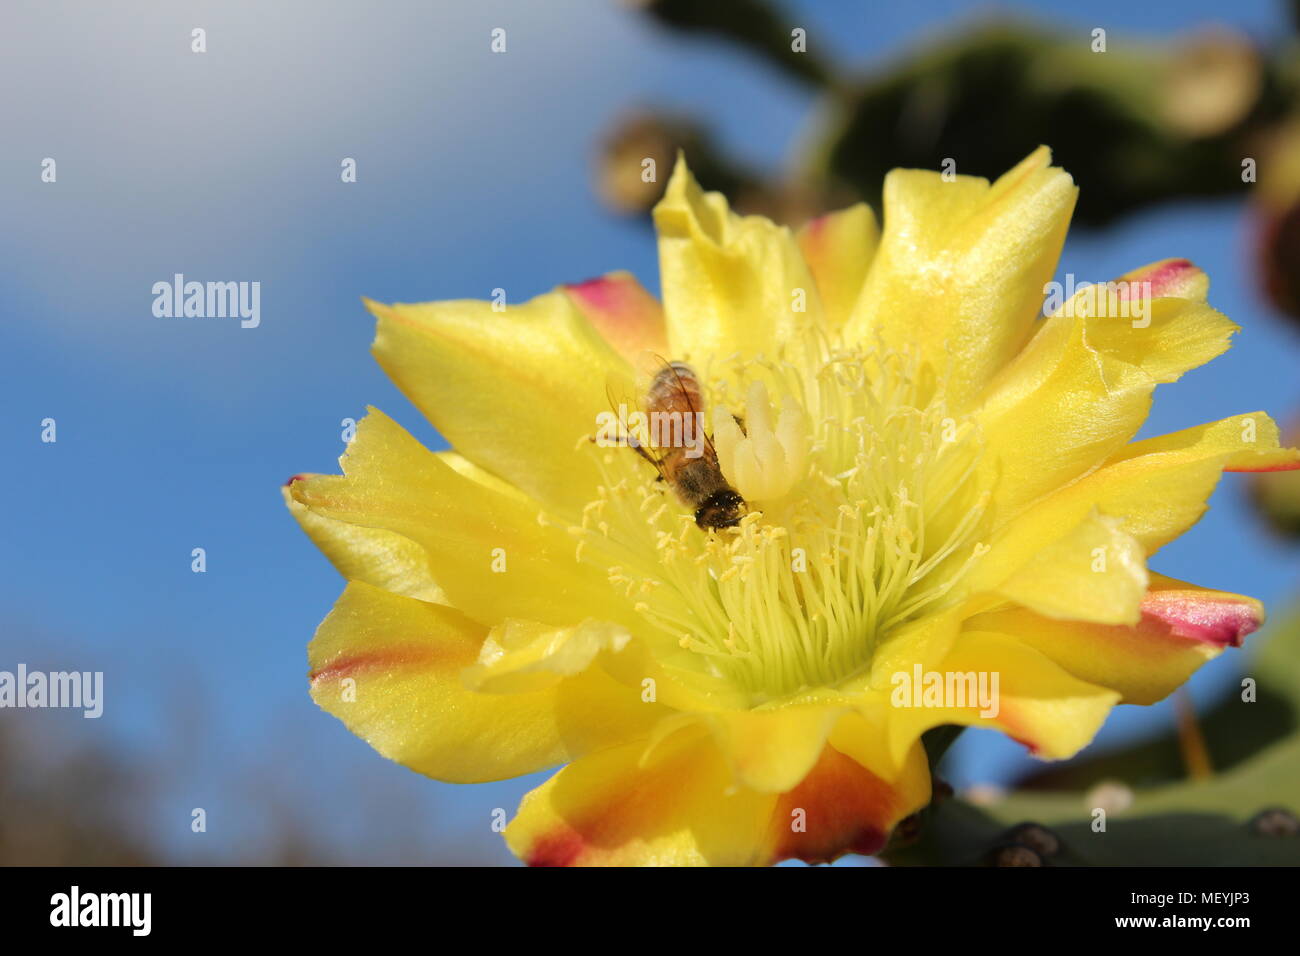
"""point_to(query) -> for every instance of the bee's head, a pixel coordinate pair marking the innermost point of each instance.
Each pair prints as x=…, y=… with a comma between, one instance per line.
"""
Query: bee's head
x=722, y=509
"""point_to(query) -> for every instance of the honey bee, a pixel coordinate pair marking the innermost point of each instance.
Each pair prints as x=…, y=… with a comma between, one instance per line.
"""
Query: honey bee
x=680, y=448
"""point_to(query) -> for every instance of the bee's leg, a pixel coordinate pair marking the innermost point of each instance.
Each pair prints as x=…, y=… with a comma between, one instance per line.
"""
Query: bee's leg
x=637, y=447
x=630, y=441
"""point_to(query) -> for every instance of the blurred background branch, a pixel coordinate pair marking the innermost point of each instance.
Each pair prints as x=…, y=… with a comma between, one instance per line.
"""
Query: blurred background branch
x=755, y=25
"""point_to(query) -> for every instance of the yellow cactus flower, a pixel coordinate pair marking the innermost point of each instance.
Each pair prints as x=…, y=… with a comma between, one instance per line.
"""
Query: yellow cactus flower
x=939, y=485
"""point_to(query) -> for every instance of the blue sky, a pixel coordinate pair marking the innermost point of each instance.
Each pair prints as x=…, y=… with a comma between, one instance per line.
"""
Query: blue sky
x=473, y=173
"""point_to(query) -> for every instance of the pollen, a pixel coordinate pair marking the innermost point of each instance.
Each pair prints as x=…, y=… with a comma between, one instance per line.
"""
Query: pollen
x=865, y=513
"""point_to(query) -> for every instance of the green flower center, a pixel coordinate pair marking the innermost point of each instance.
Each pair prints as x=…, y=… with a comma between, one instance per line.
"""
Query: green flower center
x=873, y=533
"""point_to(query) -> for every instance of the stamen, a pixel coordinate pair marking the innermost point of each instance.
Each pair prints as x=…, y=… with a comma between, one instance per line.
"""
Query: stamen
x=850, y=533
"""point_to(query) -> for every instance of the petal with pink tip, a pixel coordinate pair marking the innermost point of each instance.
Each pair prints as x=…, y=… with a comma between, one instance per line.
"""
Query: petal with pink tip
x=838, y=248
x=1199, y=614
x=1182, y=627
x=1176, y=278
x=629, y=317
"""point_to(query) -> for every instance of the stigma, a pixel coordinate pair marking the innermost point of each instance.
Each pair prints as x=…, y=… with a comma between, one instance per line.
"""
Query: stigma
x=765, y=461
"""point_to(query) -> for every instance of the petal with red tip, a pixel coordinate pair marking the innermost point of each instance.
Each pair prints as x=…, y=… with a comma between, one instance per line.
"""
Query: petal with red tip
x=772, y=750
x=1082, y=388
x=1199, y=614
x=629, y=317
x=1178, y=278
x=1034, y=700
x=838, y=248
x=1143, y=663
x=383, y=558
x=390, y=668
x=683, y=808
x=1182, y=627
x=606, y=809
x=842, y=807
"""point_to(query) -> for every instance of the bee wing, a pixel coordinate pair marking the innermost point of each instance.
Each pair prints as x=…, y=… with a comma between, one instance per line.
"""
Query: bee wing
x=621, y=392
x=646, y=366
x=655, y=365
x=627, y=403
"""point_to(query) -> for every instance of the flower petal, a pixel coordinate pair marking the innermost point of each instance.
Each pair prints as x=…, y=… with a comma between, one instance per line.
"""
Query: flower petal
x=863, y=734
x=512, y=391
x=1159, y=487
x=1036, y=701
x=926, y=641
x=383, y=558
x=1216, y=618
x=621, y=310
x=390, y=668
x=842, y=807
x=1182, y=627
x=1082, y=388
x=683, y=809
x=520, y=656
x=962, y=266
x=1094, y=572
x=606, y=809
x=773, y=750
x=730, y=283
x=838, y=248
x=484, y=543
x=1178, y=278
